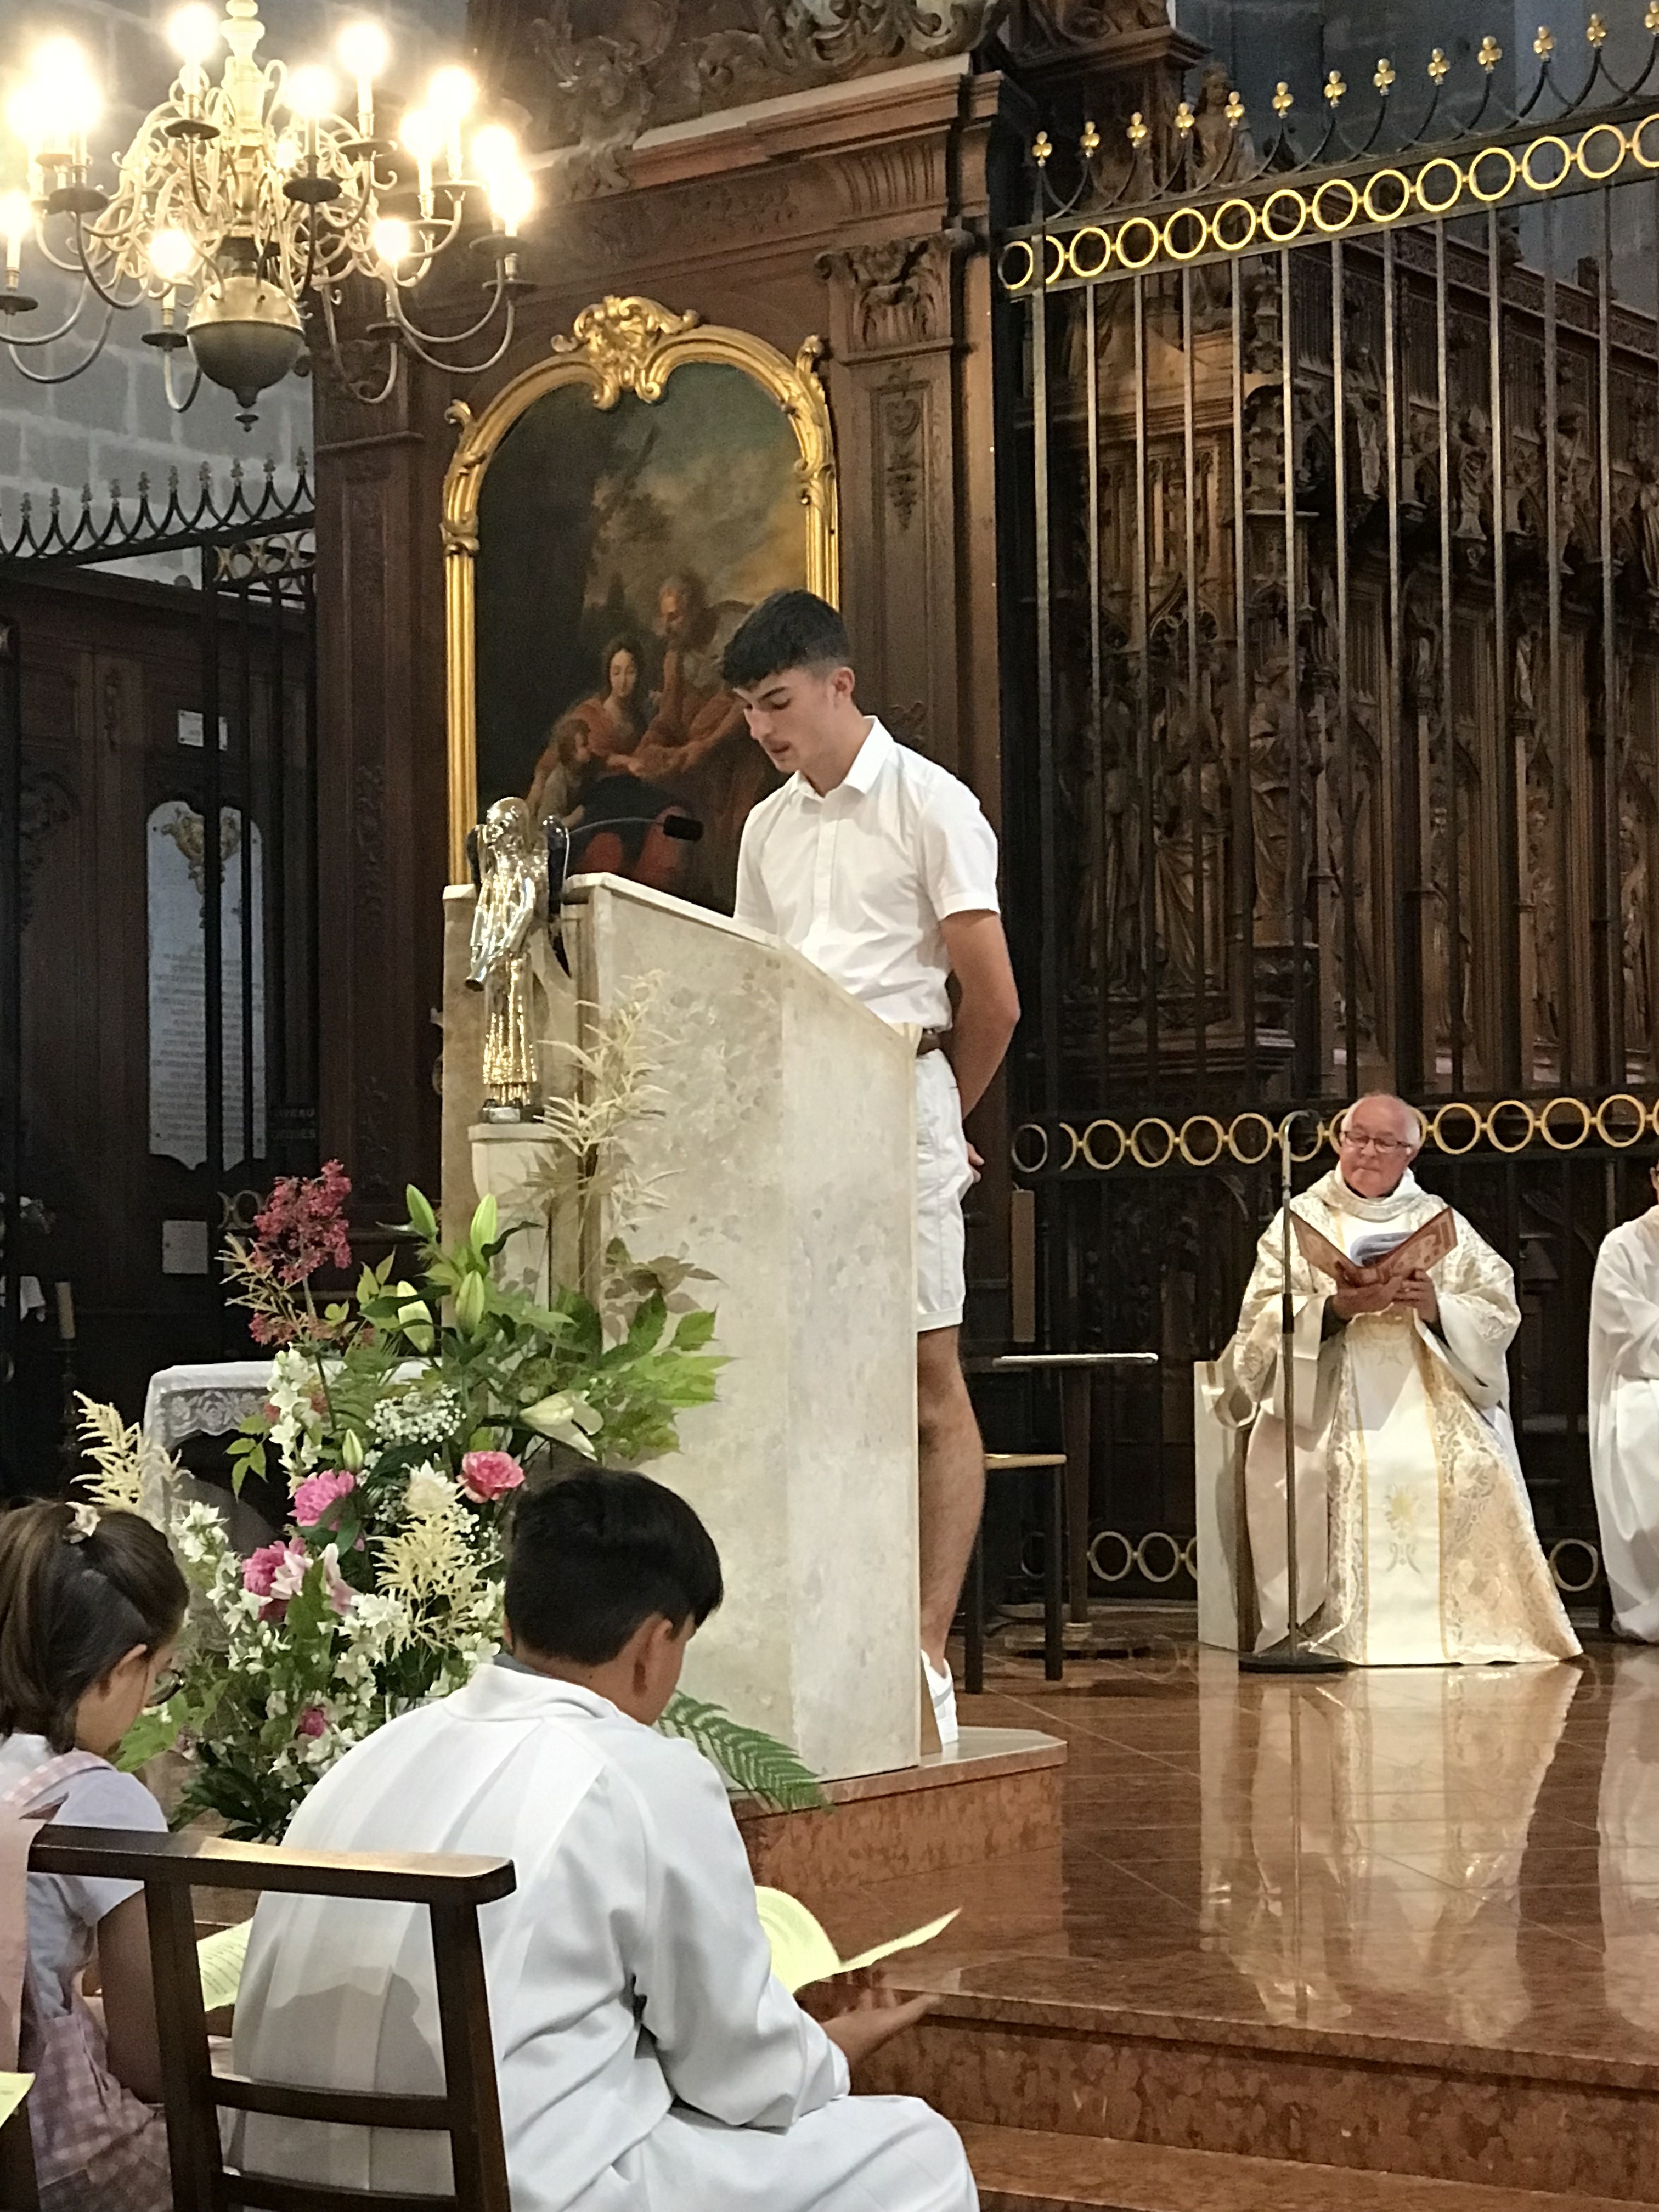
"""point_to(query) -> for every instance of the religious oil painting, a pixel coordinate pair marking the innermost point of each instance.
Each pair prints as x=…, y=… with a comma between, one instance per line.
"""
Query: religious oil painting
x=621, y=537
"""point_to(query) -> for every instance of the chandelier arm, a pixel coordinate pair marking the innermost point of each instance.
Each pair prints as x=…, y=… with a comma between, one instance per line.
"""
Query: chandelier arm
x=43, y=376
x=456, y=337
x=108, y=298
x=48, y=338
x=179, y=406
x=358, y=390
x=412, y=338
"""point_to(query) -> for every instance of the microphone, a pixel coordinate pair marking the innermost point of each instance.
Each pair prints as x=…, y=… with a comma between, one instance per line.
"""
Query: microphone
x=684, y=826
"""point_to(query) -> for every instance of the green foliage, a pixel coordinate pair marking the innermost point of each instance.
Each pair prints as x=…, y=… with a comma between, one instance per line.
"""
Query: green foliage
x=750, y=1760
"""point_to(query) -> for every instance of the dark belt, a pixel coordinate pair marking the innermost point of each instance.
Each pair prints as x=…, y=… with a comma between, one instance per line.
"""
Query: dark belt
x=932, y=1041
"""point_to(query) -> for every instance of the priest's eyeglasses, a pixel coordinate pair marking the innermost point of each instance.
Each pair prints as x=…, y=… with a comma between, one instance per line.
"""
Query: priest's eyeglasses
x=1357, y=1141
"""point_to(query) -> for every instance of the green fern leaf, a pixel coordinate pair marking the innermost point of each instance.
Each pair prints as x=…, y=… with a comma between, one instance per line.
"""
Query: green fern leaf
x=753, y=1761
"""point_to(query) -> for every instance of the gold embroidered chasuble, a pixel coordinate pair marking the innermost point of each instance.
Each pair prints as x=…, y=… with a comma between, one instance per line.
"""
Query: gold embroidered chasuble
x=1415, y=1537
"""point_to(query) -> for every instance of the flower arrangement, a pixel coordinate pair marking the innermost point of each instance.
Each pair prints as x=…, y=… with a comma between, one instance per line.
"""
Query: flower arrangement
x=403, y=1416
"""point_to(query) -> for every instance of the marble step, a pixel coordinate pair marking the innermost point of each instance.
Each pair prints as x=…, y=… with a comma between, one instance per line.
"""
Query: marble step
x=1020, y=2170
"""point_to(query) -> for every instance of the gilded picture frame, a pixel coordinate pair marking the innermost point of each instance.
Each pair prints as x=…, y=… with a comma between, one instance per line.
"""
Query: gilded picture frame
x=617, y=346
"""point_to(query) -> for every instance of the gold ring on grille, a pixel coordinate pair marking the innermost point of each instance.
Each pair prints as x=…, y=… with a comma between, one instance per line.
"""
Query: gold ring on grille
x=1137, y=222
x=1355, y=202
x=1247, y=208
x=1374, y=214
x=1506, y=1106
x=1436, y=1136
x=1201, y=1122
x=1093, y=231
x=1153, y=1122
x=1017, y=246
x=1597, y=130
x=1251, y=1160
x=1439, y=207
x=1586, y=1121
x=1190, y=252
x=1575, y=1543
x=1319, y=1137
x=1115, y=1536
x=1621, y=1143
x=1549, y=183
x=1284, y=237
x=1494, y=153
x=1103, y=1167
x=1648, y=160
x=1030, y=1129
x=1158, y=1536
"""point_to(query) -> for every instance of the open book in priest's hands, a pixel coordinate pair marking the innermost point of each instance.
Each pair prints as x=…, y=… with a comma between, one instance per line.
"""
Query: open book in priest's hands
x=1374, y=1263
x=801, y=1952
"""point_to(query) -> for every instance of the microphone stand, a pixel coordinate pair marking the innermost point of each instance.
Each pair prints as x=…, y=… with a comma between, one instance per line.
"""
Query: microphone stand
x=1290, y=1655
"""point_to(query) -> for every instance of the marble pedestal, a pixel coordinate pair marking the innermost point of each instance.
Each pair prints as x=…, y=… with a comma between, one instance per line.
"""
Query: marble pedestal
x=780, y=1157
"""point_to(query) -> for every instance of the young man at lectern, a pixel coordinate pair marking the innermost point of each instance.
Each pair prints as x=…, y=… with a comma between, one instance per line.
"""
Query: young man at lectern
x=880, y=867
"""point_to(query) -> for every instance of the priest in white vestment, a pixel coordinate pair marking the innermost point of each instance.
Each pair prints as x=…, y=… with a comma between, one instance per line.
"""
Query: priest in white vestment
x=646, y=2057
x=1415, y=1539
x=1624, y=1419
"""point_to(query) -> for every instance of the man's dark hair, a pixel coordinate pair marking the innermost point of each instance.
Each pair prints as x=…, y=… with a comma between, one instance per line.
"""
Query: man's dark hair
x=788, y=629
x=592, y=1555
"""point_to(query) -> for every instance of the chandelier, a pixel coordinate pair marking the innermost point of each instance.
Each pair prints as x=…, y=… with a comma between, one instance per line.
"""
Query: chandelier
x=242, y=209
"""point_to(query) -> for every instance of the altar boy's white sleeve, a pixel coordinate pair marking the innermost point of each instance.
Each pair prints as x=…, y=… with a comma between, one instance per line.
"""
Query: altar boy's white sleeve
x=752, y=904
x=730, y=2039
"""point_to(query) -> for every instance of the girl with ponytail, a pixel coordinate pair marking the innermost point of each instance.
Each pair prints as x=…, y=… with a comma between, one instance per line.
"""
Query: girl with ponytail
x=91, y=1606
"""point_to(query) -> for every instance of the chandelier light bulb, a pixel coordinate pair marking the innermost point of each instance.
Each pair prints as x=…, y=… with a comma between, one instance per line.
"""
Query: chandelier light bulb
x=364, y=49
x=512, y=196
x=310, y=92
x=423, y=134
x=23, y=117
x=60, y=85
x=171, y=254
x=495, y=153
x=193, y=32
x=17, y=220
x=394, y=241
x=452, y=94
x=288, y=152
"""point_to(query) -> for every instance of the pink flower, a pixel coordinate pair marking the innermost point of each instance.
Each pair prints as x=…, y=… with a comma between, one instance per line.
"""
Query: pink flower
x=302, y=1225
x=313, y=1721
x=275, y=1572
x=341, y=1596
x=318, y=1494
x=260, y=1568
x=488, y=1475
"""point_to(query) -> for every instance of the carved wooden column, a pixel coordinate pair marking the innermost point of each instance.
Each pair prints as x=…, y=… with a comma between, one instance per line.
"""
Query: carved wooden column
x=381, y=785
x=895, y=334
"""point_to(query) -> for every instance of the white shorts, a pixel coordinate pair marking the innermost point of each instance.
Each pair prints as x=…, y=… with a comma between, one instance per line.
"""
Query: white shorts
x=943, y=1175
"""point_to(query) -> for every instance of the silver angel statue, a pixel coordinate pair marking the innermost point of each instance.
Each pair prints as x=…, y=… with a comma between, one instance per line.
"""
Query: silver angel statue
x=511, y=951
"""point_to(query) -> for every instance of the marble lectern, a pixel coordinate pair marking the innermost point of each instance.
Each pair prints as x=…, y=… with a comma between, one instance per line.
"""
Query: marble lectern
x=780, y=1157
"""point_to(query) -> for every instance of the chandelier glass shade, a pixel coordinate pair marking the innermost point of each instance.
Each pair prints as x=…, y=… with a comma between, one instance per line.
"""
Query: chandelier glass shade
x=245, y=205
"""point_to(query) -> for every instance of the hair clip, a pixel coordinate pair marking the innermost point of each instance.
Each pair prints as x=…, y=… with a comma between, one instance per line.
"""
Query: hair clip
x=83, y=1522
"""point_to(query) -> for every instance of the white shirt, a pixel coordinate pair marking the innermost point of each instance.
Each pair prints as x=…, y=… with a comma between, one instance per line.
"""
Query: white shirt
x=860, y=879
x=628, y=1970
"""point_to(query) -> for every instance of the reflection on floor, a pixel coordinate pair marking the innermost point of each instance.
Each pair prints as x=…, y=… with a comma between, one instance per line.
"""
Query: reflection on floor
x=1406, y=1920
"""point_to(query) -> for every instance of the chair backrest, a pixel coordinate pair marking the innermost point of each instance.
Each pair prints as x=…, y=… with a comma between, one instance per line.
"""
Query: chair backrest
x=468, y=2111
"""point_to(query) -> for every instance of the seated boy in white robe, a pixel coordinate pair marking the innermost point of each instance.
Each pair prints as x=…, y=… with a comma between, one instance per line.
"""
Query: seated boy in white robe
x=645, y=2055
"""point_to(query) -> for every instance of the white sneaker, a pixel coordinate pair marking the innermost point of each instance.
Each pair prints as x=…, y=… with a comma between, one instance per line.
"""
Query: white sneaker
x=943, y=1691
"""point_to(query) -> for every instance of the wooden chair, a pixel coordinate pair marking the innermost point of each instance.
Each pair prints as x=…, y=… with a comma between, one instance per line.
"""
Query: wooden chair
x=468, y=2112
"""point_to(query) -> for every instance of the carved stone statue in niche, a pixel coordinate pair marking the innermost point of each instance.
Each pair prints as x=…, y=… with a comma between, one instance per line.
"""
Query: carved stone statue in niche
x=1364, y=394
x=1225, y=150
x=1472, y=477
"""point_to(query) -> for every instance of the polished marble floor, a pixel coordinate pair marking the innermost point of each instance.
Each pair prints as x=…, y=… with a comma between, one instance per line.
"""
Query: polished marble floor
x=1446, y=1856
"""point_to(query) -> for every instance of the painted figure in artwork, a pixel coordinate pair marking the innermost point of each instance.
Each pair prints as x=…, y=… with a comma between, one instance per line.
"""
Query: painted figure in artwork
x=606, y=726
x=510, y=955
